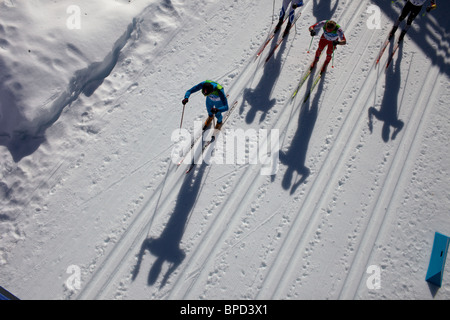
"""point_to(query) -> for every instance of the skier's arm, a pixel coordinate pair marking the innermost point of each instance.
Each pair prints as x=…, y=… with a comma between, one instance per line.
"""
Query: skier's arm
x=194, y=89
x=342, y=37
x=317, y=26
x=188, y=93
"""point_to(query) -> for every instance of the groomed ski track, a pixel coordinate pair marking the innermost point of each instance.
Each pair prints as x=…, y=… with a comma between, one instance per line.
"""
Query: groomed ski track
x=215, y=210
x=306, y=218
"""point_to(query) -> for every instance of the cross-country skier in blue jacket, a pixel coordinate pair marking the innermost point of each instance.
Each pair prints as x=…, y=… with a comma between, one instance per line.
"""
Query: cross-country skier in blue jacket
x=216, y=100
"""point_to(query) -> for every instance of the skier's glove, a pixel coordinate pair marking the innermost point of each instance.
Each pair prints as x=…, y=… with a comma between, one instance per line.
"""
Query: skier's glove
x=214, y=110
x=312, y=32
x=336, y=42
x=185, y=100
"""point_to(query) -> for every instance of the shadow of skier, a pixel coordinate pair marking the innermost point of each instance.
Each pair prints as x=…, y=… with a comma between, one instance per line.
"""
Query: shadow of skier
x=259, y=99
x=322, y=9
x=295, y=157
x=429, y=31
x=167, y=247
x=389, y=106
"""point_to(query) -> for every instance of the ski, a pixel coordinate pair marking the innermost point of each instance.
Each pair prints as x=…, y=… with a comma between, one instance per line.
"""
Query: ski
x=301, y=82
x=316, y=81
x=206, y=145
x=391, y=57
x=280, y=41
x=271, y=36
x=193, y=143
x=304, y=77
x=383, y=49
x=213, y=138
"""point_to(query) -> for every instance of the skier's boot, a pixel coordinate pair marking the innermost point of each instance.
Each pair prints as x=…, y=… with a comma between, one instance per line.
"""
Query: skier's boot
x=391, y=34
x=218, y=125
x=324, y=68
x=313, y=64
x=278, y=26
x=402, y=35
x=286, y=31
x=207, y=122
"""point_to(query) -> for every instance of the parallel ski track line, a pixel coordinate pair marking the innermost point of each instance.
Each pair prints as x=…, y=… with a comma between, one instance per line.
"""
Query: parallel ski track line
x=137, y=230
x=304, y=218
x=136, y=240
x=245, y=184
x=247, y=192
x=389, y=190
x=104, y=275
x=97, y=275
x=107, y=265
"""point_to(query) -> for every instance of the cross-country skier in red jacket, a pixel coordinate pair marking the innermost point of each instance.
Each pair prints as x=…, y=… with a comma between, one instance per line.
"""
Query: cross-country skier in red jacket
x=332, y=36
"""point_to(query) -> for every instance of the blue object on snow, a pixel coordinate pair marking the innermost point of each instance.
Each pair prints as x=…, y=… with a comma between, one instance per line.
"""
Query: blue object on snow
x=6, y=295
x=437, y=261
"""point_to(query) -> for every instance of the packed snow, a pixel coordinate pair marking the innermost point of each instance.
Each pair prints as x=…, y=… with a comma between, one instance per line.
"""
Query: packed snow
x=95, y=206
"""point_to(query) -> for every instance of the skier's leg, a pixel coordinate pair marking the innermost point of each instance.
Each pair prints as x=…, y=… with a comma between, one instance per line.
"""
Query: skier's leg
x=282, y=14
x=209, y=106
x=405, y=11
x=322, y=43
x=330, y=50
x=291, y=16
x=413, y=14
x=218, y=104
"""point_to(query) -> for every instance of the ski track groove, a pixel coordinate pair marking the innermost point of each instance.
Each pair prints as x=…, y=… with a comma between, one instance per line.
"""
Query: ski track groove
x=388, y=190
x=295, y=238
x=250, y=182
x=247, y=182
x=102, y=273
x=253, y=182
x=120, y=248
x=120, y=251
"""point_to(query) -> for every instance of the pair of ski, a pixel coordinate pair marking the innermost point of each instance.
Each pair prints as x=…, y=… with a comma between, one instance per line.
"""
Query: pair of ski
x=280, y=41
x=207, y=143
x=383, y=49
x=302, y=81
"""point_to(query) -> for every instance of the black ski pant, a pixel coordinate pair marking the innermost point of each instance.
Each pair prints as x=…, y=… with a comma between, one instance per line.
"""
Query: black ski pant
x=412, y=11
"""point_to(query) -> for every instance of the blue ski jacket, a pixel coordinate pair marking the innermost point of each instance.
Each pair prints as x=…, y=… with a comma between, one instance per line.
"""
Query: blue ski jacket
x=217, y=95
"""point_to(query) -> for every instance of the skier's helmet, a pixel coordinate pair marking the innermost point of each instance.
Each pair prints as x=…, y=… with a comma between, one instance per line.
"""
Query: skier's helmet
x=330, y=25
x=207, y=88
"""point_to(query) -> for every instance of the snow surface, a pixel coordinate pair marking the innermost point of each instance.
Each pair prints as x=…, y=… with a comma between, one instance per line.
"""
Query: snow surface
x=88, y=181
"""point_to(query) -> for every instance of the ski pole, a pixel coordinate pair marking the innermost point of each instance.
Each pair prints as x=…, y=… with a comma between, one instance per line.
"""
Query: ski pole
x=334, y=48
x=312, y=38
x=182, y=116
x=273, y=11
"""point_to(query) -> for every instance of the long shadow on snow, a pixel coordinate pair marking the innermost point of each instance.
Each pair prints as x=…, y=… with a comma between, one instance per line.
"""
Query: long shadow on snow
x=388, y=112
x=295, y=157
x=167, y=246
x=432, y=31
x=17, y=141
x=259, y=99
x=21, y=136
x=322, y=11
